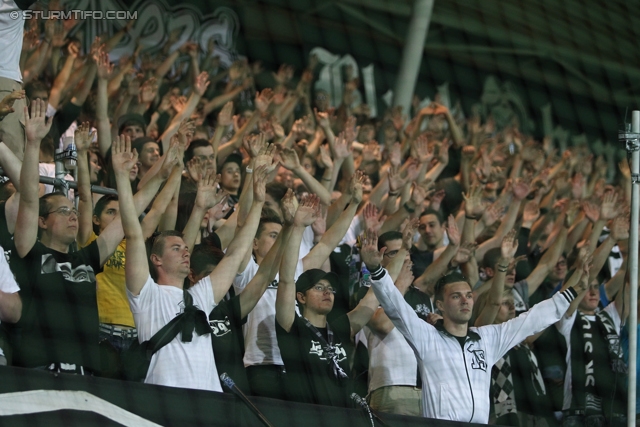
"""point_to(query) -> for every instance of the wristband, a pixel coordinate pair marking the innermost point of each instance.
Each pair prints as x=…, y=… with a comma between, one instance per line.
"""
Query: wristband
x=408, y=209
x=326, y=179
x=475, y=218
x=393, y=193
x=502, y=268
x=249, y=170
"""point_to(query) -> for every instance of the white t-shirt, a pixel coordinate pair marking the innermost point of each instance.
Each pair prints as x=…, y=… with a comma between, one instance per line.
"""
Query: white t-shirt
x=391, y=360
x=8, y=282
x=11, y=31
x=177, y=364
x=260, y=340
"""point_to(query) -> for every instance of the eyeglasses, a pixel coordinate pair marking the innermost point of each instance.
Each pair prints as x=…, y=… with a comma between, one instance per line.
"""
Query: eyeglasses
x=323, y=289
x=64, y=211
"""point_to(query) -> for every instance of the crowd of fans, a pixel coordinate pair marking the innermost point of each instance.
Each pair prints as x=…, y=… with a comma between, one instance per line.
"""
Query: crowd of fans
x=305, y=249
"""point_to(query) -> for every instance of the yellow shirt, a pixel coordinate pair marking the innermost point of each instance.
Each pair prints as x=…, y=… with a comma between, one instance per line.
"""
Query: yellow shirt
x=113, y=305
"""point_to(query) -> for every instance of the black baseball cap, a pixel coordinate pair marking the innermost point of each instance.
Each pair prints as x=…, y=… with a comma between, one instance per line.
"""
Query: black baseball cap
x=131, y=117
x=310, y=278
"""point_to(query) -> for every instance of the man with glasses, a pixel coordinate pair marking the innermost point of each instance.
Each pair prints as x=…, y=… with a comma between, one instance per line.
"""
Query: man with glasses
x=316, y=353
x=58, y=330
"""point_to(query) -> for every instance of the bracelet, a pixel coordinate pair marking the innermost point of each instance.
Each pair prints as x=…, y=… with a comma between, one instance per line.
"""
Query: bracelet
x=393, y=193
x=475, y=218
x=502, y=268
x=408, y=209
x=326, y=179
x=249, y=170
x=502, y=271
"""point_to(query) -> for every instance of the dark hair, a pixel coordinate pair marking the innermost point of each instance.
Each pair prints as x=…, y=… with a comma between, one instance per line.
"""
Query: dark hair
x=268, y=216
x=196, y=143
x=155, y=246
x=101, y=204
x=204, y=255
x=276, y=190
x=44, y=206
x=435, y=213
x=444, y=281
x=387, y=237
x=35, y=86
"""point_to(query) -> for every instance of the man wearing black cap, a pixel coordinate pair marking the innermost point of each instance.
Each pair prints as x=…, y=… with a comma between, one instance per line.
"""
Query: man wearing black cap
x=315, y=354
x=133, y=125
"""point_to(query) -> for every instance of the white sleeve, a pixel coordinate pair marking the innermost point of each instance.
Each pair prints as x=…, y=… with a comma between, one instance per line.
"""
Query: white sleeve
x=142, y=302
x=403, y=317
x=506, y=335
x=242, y=279
x=613, y=313
x=202, y=293
x=8, y=282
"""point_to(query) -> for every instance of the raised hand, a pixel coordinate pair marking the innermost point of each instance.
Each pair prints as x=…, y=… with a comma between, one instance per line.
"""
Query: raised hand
x=405, y=278
x=105, y=67
x=324, y=157
x=420, y=150
x=531, y=212
x=436, y=199
x=371, y=219
x=82, y=138
x=620, y=228
x=289, y=159
x=195, y=168
x=308, y=211
x=201, y=84
x=369, y=253
x=492, y=214
x=264, y=99
x=609, y=208
x=468, y=153
x=122, y=158
x=443, y=151
x=289, y=206
x=319, y=226
x=172, y=157
x=473, y=206
x=266, y=157
x=36, y=124
x=148, y=91
x=452, y=231
x=465, y=252
x=355, y=186
x=395, y=155
x=185, y=132
x=577, y=186
x=590, y=210
x=509, y=246
x=207, y=195
x=254, y=144
x=322, y=118
x=343, y=147
x=225, y=117
x=418, y=195
x=396, y=182
x=6, y=105
x=408, y=230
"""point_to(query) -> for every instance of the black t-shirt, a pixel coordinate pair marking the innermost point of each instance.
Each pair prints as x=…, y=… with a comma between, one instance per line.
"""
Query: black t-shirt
x=59, y=310
x=421, y=260
x=228, y=341
x=310, y=377
x=419, y=301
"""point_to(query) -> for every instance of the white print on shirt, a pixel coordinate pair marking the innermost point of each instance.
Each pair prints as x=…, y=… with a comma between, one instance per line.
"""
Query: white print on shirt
x=422, y=309
x=477, y=361
x=316, y=348
x=220, y=327
x=82, y=273
x=273, y=285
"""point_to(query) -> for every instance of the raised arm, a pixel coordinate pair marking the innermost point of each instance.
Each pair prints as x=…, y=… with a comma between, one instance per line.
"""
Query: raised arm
x=222, y=276
x=207, y=197
x=136, y=265
x=11, y=166
x=105, y=69
x=507, y=251
x=362, y=313
x=36, y=127
x=307, y=212
x=269, y=266
x=82, y=139
x=290, y=160
x=336, y=232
